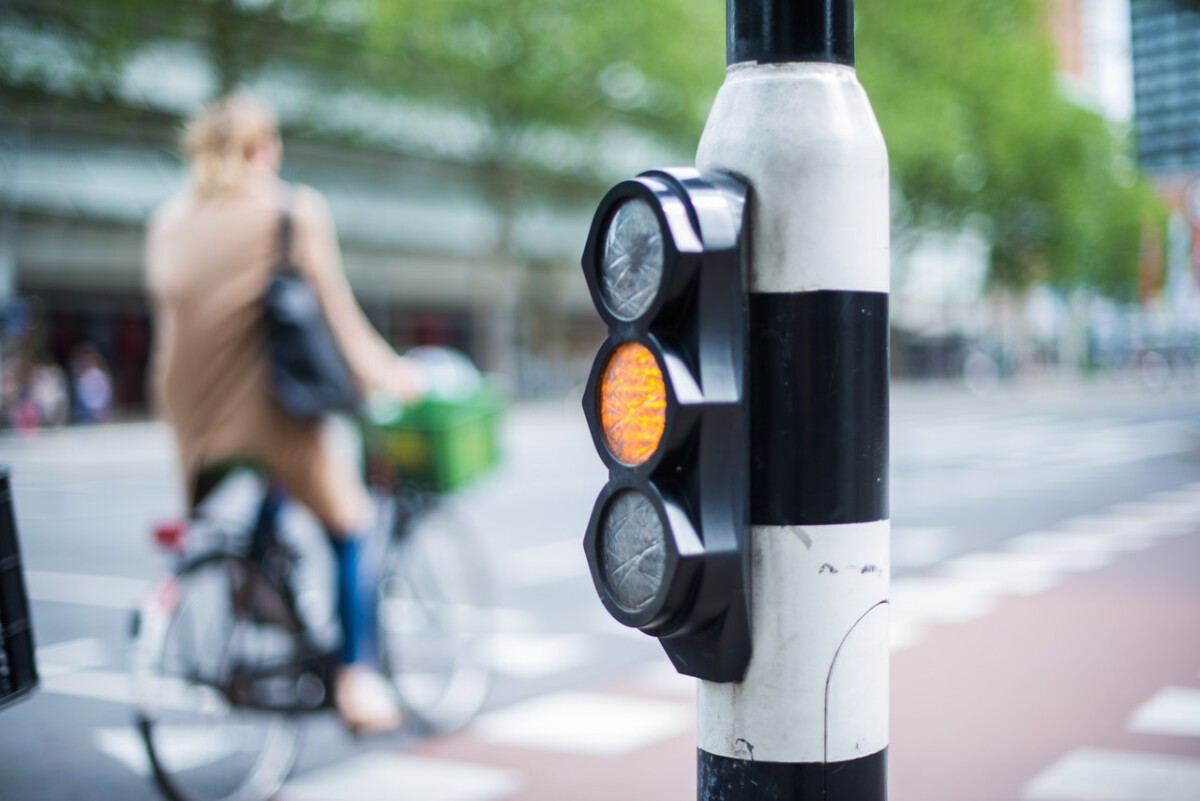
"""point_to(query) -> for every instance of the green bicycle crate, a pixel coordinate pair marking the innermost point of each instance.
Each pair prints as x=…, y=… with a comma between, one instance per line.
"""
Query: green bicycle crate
x=444, y=444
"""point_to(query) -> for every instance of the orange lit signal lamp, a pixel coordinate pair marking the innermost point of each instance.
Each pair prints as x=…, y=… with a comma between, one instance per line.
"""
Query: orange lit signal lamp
x=665, y=403
x=633, y=403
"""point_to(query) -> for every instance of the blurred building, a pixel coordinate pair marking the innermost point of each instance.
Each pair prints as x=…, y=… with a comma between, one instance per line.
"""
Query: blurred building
x=1166, y=79
x=431, y=255
x=1165, y=37
x=1091, y=40
x=1108, y=53
x=1136, y=62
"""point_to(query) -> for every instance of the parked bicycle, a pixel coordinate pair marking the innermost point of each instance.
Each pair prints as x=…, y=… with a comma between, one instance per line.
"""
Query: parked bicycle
x=228, y=660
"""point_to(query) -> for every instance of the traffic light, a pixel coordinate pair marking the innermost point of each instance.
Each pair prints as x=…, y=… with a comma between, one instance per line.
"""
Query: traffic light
x=665, y=403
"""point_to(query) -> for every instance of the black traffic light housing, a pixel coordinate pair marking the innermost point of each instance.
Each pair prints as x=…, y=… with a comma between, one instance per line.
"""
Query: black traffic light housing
x=690, y=574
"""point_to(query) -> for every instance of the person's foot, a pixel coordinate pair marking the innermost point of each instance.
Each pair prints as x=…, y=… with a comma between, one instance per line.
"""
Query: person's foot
x=365, y=702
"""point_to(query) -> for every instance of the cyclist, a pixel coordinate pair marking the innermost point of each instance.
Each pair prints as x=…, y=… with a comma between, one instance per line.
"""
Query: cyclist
x=209, y=254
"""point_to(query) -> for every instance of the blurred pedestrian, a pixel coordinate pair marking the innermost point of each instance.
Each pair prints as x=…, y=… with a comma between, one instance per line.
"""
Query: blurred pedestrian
x=210, y=252
x=49, y=393
x=16, y=388
x=91, y=384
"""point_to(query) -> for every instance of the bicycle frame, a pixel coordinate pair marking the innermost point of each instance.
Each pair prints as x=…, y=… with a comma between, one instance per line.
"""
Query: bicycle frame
x=274, y=561
x=271, y=561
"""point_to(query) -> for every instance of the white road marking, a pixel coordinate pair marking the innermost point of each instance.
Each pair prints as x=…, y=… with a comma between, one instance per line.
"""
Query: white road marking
x=71, y=656
x=914, y=546
x=597, y=620
x=904, y=631
x=585, y=723
x=969, y=586
x=1131, y=535
x=1006, y=573
x=94, y=685
x=124, y=745
x=182, y=747
x=1007, y=457
x=531, y=656
x=1186, y=493
x=511, y=620
x=659, y=677
x=110, y=592
x=1172, y=711
x=547, y=563
x=1174, y=514
x=1113, y=517
x=79, y=679
x=1059, y=560
x=117, y=687
x=1098, y=541
x=1094, y=774
x=386, y=776
x=1145, y=508
x=941, y=600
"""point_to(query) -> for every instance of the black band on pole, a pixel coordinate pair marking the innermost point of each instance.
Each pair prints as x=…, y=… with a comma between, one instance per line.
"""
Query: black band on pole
x=818, y=408
x=774, y=31
x=722, y=778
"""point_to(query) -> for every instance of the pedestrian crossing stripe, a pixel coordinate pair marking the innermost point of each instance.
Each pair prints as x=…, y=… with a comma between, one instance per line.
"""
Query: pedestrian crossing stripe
x=972, y=585
x=1173, y=711
x=1008, y=457
x=385, y=776
x=1095, y=774
x=969, y=585
x=615, y=725
x=111, y=592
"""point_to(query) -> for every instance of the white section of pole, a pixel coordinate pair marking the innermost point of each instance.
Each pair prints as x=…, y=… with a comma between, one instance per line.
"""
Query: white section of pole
x=803, y=135
x=816, y=689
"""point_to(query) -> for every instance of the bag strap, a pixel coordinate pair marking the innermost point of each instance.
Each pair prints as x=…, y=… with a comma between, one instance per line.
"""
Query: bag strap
x=285, y=229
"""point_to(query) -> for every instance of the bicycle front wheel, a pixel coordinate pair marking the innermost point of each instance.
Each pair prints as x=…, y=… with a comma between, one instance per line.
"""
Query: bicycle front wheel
x=208, y=643
x=435, y=619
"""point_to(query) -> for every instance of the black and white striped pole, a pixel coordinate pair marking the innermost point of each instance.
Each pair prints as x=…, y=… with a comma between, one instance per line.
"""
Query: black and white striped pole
x=740, y=403
x=810, y=718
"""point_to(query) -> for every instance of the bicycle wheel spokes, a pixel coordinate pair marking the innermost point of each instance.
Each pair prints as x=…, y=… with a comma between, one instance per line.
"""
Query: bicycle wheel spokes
x=438, y=651
x=196, y=658
x=435, y=621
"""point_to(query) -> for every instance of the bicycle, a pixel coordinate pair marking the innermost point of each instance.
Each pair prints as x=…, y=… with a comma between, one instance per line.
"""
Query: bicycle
x=227, y=662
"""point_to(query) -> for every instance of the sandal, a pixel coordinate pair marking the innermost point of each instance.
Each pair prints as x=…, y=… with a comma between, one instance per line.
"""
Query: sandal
x=365, y=702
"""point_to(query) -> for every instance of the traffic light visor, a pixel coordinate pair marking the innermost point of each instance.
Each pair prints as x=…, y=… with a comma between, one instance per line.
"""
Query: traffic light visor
x=633, y=403
x=631, y=265
x=633, y=550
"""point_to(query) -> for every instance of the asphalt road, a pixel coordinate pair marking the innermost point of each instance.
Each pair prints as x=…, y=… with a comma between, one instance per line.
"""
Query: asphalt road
x=980, y=488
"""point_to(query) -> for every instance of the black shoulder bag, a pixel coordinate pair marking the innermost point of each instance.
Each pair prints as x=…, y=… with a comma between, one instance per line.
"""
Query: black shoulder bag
x=307, y=373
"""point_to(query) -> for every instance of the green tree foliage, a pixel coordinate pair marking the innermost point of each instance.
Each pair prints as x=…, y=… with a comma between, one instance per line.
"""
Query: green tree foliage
x=978, y=126
x=979, y=129
x=577, y=64
x=97, y=38
x=525, y=66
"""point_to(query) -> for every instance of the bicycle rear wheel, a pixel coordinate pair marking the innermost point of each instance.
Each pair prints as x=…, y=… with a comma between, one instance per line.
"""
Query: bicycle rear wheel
x=214, y=644
x=435, y=619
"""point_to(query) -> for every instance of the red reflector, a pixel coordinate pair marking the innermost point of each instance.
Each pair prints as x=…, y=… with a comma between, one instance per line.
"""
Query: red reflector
x=171, y=535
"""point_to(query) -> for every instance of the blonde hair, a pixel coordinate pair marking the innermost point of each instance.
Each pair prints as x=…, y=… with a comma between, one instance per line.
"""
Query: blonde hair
x=218, y=142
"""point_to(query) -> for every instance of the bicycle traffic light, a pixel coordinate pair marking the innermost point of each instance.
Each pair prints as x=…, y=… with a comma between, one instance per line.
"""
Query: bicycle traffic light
x=665, y=403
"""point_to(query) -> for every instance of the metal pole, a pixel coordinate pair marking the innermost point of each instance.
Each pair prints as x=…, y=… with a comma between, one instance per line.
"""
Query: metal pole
x=810, y=719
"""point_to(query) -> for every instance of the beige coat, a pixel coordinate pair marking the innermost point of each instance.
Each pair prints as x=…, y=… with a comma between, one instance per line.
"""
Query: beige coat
x=207, y=265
